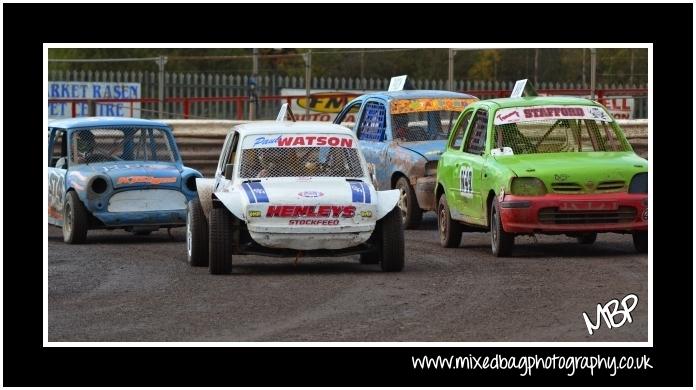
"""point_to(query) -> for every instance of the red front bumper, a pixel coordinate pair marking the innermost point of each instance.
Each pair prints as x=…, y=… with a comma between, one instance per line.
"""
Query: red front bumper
x=554, y=213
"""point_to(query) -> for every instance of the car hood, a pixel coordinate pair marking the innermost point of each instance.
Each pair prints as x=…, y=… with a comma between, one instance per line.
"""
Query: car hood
x=308, y=191
x=430, y=150
x=133, y=173
x=588, y=169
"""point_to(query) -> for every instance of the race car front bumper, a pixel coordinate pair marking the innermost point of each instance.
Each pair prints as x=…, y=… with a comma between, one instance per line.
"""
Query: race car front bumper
x=310, y=238
x=584, y=213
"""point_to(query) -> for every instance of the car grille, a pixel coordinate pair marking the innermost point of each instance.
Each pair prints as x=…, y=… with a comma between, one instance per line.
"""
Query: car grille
x=574, y=188
x=611, y=185
x=552, y=215
x=566, y=187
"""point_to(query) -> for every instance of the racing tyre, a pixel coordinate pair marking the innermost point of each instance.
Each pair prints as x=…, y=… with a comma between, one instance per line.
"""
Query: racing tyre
x=587, y=238
x=74, y=219
x=640, y=241
x=196, y=235
x=502, y=242
x=411, y=213
x=220, y=243
x=450, y=230
x=390, y=241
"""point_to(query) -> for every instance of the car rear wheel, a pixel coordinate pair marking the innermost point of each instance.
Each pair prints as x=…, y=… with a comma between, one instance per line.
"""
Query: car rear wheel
x=640, y=241
x=220, y=241
x=450, y=230
x=502, y=242
x=390, y=241
x=411, y=213
x=587, y=238
x=74, y=219
x=196, y=235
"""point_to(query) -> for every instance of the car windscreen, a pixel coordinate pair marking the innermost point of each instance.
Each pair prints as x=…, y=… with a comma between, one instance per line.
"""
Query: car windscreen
x=425, y=119
x=556, y=129
x=300, y=155
x=120, y=144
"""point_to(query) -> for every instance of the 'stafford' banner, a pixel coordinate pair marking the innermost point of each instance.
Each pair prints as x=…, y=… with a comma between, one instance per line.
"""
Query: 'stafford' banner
x=77, y=90
x=543, y=113
x=322, y=105
x=298, y=140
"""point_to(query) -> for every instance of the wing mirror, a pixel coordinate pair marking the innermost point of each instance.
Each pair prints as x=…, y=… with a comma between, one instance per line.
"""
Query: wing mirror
x=229, y=168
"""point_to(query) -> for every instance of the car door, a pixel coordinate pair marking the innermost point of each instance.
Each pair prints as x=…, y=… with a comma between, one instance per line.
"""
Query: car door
x=371, y=131
x=57, y=169
x=451, y=161
x=227, y=156
x=472, y=169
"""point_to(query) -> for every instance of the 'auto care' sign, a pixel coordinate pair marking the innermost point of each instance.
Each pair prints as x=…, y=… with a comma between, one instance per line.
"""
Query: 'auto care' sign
x=78, y=90
x=322, y=105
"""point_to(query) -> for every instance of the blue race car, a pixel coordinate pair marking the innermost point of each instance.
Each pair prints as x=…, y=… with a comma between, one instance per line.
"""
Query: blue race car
x=110, y=172
x=402, y=134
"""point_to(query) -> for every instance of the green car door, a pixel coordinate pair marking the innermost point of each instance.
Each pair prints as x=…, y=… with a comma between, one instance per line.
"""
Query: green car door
x=471, y=169
x=462, y=167
x=449, y=165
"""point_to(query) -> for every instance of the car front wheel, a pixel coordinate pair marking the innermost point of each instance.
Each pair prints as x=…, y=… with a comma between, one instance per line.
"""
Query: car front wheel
x=389, y=239
x=74, y=219
x=640, y=241
x=502, y=242
x=196, y=235
x=450, y=230
x=411, y=213
x=220, y=241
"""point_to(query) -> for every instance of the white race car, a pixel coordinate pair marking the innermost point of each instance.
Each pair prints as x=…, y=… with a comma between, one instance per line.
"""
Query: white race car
x=292, y=189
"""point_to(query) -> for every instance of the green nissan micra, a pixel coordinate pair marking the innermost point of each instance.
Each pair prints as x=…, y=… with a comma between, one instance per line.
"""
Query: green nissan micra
x=540, y=165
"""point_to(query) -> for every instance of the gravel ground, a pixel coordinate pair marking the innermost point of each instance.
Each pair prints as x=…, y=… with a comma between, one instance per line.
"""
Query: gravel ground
x=121, y=287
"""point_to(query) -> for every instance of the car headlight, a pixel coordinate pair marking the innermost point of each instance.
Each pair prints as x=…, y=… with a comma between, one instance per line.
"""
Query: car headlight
x=529, y=186
x=431, y=168
x=639, y=184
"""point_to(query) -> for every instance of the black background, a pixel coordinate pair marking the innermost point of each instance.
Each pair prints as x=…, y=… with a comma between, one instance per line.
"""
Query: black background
x=27, y=26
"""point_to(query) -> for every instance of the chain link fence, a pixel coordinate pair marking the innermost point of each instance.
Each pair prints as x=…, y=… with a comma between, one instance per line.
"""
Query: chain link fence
x=253, y=83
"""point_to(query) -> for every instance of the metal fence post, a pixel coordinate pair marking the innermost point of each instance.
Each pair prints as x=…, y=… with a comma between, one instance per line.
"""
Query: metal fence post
x=161, y=60
x=450, y=70
x=308, y=75
x=593, y=72
x=91, y=108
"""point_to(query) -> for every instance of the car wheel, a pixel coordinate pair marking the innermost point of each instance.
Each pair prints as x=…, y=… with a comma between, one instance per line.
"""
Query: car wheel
x=450, y=230
x=640, y=241
x=196, y=235
x=587, y=238
x=220, y=241
x=411, y=213
x=390, y=241
x=74, y=219
x=502, y=242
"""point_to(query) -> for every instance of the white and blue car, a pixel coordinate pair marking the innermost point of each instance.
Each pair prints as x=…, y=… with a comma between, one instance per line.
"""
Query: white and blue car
x=293, y=189
x=108, y=173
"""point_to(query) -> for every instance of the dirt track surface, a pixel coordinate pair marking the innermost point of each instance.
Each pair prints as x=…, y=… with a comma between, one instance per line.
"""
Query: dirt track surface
x=120, y=287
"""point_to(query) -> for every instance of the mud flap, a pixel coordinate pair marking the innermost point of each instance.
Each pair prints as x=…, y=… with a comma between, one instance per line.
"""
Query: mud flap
x=204, y=187
x=233, y=202
x=386, y=201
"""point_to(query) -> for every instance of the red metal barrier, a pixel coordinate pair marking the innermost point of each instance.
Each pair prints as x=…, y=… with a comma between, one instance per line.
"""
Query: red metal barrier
x=239, y=101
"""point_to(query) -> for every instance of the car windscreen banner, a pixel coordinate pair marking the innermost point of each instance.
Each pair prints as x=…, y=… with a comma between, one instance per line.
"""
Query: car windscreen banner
x=405, y=106
x=257, y=141
x=539, y=113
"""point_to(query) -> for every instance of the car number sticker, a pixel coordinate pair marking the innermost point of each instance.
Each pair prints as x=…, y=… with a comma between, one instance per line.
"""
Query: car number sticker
x=466, y=174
